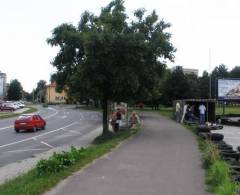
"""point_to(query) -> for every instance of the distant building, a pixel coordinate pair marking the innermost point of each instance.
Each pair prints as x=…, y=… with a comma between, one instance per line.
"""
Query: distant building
x=54, y=97
x=190, y=71
x=3, y=85
x=187, y=70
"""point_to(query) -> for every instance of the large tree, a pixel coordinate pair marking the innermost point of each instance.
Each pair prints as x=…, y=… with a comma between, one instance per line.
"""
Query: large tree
x=204, y=85
x=40, y=91
x=235, y=72
x=14, y=90
x=176, y=86
x=110, y=57
x=219, y=72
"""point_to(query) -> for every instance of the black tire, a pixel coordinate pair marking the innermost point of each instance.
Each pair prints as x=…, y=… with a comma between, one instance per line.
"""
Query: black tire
x=228, y=151
x=17, y=130
x=224, y=147
x=203, y=130
x=216, y=136
x=235, y=167
x=43, y=128
x=230, y=155
x=34, y=129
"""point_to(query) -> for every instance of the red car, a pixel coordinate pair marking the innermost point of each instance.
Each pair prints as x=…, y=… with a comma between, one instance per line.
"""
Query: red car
x=29, y=122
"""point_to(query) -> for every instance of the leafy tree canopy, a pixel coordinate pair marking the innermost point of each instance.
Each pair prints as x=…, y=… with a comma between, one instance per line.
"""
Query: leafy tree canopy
x=235, y=72
x=40, y=91
x=110, y=56
x=176, y=86
x=15, y=90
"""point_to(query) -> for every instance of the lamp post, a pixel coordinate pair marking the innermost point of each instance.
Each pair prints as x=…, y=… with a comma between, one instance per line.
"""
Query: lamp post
x=210, y=82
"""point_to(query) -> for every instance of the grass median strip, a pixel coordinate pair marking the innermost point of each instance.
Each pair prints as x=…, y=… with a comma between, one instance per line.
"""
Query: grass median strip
x=9, y=115
x=49, y=172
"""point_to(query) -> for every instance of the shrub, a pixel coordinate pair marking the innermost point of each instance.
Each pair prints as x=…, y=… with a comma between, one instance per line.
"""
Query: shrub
x=218, y=173
x=227, y=188
x=210, y=154
x=60, y=161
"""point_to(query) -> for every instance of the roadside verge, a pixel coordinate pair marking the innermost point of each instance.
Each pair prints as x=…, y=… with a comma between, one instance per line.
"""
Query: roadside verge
x=18, y=112
x=48, y=173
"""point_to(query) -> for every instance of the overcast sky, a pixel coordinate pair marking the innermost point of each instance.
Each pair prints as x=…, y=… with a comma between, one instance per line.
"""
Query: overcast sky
x=197, y=26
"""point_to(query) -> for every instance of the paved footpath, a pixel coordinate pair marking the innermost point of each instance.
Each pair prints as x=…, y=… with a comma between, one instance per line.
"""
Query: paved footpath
x=163, y=159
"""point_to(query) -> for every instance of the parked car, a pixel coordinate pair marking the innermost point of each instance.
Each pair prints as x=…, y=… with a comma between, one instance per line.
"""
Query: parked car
x=31, y=122
x=7, y=107
x=19, y=104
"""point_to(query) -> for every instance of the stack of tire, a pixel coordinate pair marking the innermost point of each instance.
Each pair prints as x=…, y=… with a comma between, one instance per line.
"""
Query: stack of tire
x=225, y=150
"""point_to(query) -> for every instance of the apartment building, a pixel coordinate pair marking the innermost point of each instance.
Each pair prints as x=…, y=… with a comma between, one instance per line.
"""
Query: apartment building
x=3, y=85
x=54, y=97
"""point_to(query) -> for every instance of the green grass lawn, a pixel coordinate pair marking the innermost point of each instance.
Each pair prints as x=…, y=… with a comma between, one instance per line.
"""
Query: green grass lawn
x=228, y=110
x=9, y=115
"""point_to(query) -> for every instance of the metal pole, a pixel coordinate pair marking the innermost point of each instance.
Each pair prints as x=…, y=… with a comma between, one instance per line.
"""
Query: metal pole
x=210, y=80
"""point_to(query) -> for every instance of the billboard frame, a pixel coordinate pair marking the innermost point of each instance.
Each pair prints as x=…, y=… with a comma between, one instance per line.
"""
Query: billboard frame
x=223, y=98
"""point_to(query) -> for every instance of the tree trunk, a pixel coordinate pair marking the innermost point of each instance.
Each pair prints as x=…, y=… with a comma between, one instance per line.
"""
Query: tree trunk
x=105, y=117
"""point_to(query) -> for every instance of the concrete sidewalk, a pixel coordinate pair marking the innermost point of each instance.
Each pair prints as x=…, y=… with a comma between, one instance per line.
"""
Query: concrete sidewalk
x=163, y=159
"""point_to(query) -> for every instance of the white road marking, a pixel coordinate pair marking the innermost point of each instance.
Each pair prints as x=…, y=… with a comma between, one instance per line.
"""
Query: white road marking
x=72, y=131
x=27, y=150
x=47, y=144
x=34, y=137
x=81, y=116
x=56, y=112
x=8, y=127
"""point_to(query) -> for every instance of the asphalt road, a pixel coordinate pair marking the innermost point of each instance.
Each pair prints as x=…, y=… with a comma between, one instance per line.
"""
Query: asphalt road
x=65, y=125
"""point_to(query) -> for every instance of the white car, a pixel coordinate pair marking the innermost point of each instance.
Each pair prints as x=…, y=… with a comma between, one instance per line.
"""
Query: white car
x=10, y=105
x=19, y=104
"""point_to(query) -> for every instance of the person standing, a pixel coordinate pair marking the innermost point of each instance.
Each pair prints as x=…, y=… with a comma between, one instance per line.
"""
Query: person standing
x=202, y=110
x=178, y=112
x=119, y=120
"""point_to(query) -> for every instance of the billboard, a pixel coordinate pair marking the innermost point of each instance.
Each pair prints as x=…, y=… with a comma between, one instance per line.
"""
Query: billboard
x=229, y=89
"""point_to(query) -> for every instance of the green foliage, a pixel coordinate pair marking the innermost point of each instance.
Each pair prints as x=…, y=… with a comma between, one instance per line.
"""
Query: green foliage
x=40, y=91
x=218, y=173
x=59, y=161
x=210, y=154
x=204, y=85
x=218, y=177
x=111, y=57
x=27, y=96
x=235, y=72
x=30, y=110
x=14, y=90
x=227, y=188
x=176, y=86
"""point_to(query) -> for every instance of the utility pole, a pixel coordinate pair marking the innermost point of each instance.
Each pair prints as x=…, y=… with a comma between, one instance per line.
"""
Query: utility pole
x=33, y=95
x=210, y=82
